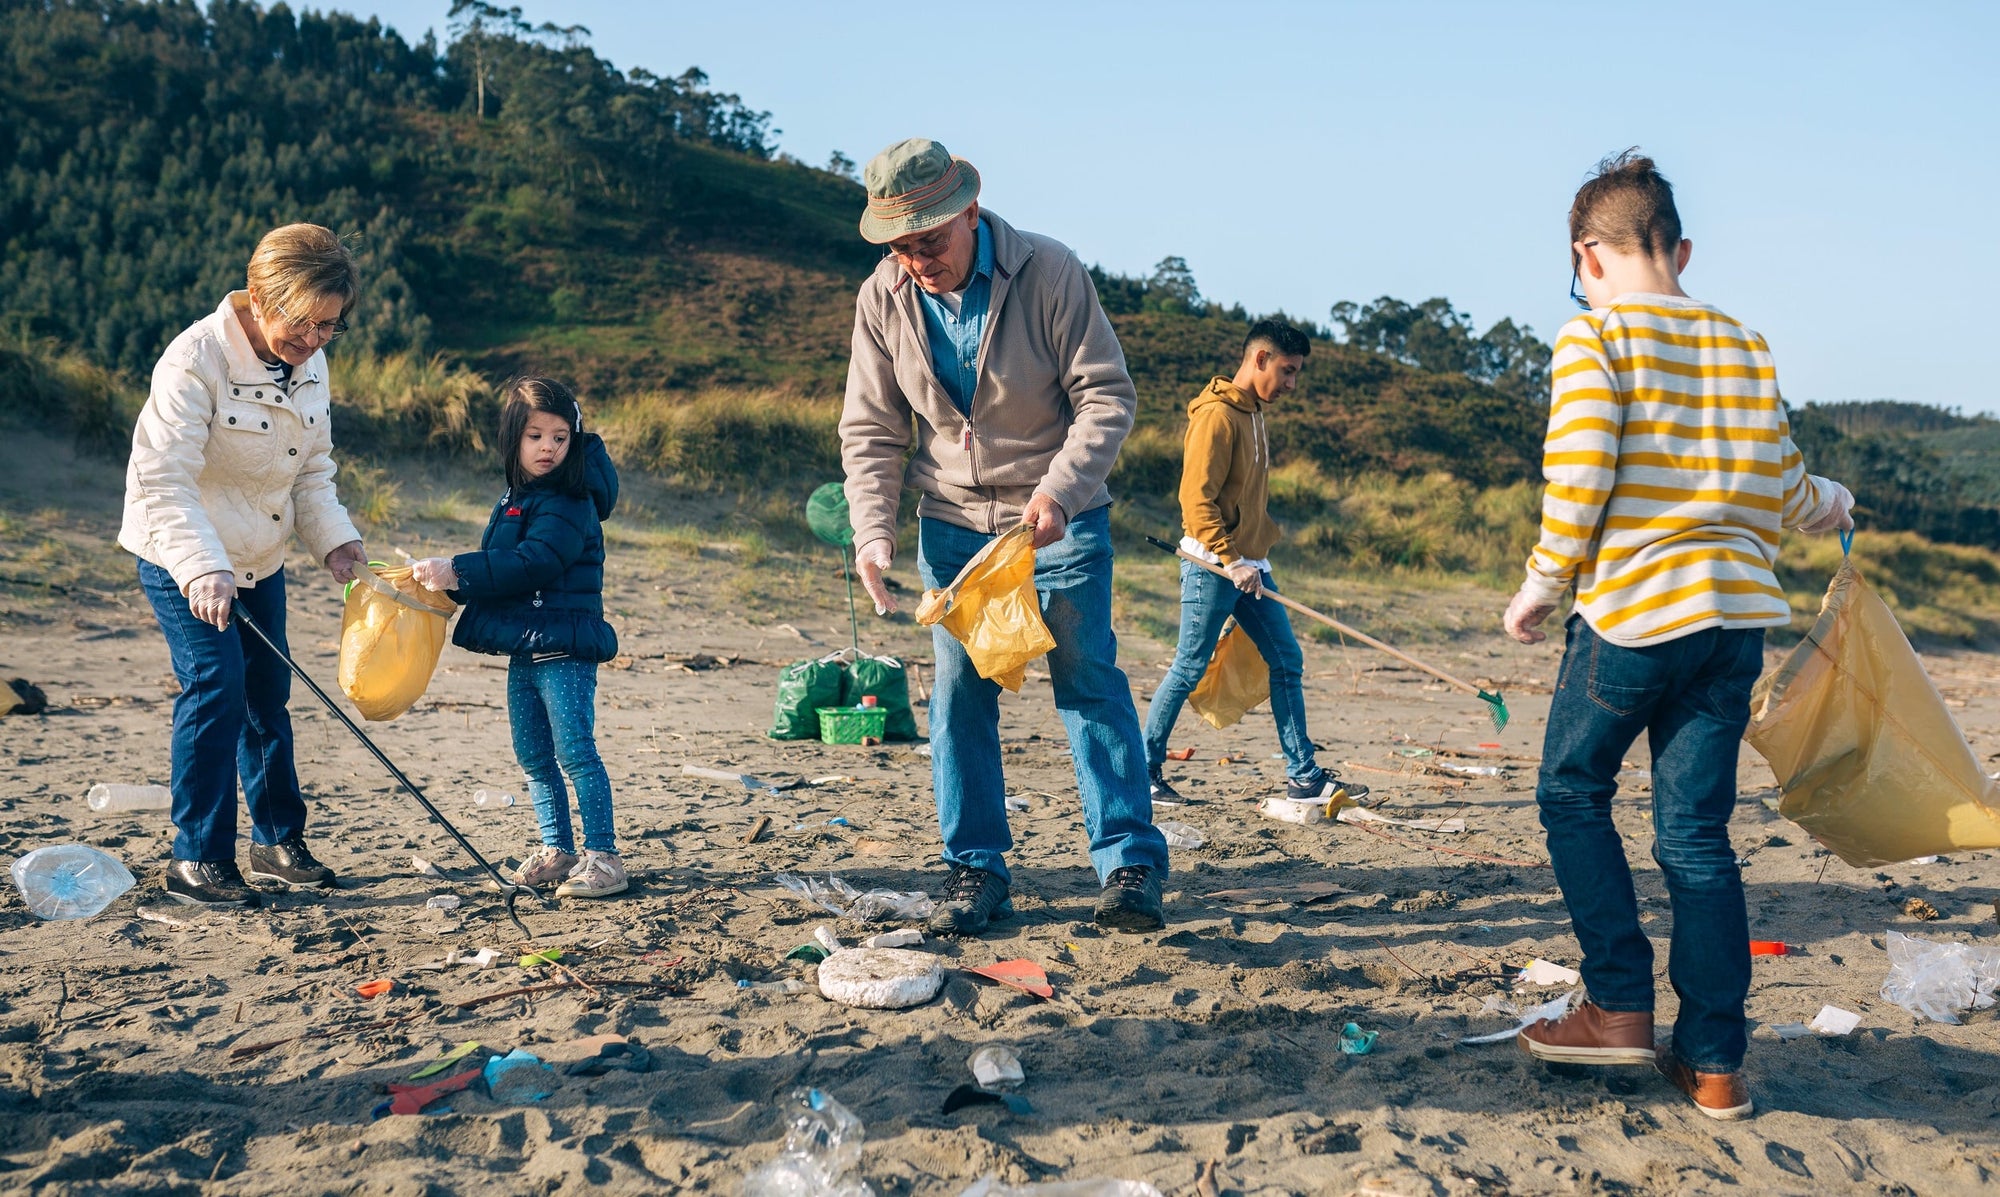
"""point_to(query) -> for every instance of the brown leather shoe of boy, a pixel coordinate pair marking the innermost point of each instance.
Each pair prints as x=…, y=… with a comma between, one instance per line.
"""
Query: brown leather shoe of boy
x=1720, y=1095
x=1589, y=1034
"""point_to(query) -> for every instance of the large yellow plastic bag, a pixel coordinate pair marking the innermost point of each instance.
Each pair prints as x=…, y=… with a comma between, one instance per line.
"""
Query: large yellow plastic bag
x=993, y=610
x=1236, y=682
x=391, y=633
x=1869, y=759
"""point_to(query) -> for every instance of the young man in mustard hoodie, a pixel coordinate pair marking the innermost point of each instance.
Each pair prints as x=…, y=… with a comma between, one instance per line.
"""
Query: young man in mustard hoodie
x=1224, y=485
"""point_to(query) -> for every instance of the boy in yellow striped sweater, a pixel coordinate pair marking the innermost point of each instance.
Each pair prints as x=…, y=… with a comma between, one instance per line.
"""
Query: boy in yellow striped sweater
x=1671, y=471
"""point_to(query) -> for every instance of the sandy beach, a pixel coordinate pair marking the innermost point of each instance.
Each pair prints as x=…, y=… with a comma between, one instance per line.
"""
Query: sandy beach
x=196, y=1052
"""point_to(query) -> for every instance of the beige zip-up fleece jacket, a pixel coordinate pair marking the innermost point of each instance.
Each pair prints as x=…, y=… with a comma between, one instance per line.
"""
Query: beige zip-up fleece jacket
x=225, y=465
x=1051, y=409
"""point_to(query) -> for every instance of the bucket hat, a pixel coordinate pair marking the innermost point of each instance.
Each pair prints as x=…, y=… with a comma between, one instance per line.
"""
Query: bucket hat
x=915, y=185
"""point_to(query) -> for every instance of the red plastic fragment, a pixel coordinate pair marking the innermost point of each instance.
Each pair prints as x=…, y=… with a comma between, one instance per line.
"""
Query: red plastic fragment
x=1024, y=975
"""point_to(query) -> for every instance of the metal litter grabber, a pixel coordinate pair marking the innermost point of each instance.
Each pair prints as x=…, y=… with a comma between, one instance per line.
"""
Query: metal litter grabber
x=511, y=891
x=1496, y=707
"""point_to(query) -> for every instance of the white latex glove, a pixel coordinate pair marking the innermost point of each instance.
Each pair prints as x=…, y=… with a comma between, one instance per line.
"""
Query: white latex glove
x=211, y=596
x=873, y=559
x=1047, y=518
x=1246, y=578
x=1524, y=617
x=1839, y=516
x=435, y=573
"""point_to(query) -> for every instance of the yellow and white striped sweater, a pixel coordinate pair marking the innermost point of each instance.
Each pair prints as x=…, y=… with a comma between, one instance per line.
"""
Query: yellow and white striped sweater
x=1671, y=470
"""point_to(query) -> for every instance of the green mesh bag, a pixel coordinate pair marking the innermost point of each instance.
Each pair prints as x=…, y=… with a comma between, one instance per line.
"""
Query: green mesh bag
x=885, y=679
x=826, y=515
x=803, y=688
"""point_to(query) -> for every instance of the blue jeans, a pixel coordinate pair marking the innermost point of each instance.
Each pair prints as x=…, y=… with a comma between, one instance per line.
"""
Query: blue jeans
x=230, y=721
x=552, y=709
x=1691, y=696
x=1206, y=602
x=1073, y=579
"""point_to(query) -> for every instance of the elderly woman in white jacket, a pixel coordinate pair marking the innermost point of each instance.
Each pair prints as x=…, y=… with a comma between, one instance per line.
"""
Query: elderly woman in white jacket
x=233, y=454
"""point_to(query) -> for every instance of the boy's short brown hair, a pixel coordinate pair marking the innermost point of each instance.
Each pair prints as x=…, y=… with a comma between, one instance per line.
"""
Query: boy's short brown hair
x=299, y=265
x=1629, y=205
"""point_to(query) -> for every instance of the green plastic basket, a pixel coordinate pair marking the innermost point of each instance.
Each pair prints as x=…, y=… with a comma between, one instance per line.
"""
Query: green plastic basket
x=847, y=725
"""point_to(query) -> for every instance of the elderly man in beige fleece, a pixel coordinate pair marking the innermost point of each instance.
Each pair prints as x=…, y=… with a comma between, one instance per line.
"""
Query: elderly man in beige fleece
x=986, y=377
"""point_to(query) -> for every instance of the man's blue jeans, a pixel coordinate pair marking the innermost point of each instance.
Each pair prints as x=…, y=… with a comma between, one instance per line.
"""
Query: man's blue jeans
x=1206, y=602
x=1691, y=696
x=552, y=709
x=229, y=721
x=1073, y=578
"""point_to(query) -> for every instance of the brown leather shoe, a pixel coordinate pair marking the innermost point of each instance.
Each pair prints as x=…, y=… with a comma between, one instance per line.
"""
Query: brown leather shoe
x=1720, y=1095
x=1589, y=1034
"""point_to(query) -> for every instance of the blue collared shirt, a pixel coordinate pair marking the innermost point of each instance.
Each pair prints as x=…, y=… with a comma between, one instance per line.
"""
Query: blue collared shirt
x=955, y=339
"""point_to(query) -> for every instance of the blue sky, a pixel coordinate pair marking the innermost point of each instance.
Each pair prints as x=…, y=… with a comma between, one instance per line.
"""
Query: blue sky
x=1837, y=165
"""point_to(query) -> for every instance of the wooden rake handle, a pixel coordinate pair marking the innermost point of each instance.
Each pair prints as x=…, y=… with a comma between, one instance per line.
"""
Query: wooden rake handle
x=1328, y=620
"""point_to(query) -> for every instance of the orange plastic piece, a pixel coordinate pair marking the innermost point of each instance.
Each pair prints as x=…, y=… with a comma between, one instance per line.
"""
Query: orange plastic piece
x=374, y=989
x=1024, y=975
x=1180, y=754
x=1769, y=947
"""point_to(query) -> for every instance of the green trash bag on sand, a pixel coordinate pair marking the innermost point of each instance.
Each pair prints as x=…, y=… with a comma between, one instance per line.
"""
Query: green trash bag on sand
x=803, y=688
x=885, y=678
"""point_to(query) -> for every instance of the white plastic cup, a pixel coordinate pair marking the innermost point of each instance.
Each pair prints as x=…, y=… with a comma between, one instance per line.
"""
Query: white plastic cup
x=1287, y=811
x=121, y=797
x=491, y=798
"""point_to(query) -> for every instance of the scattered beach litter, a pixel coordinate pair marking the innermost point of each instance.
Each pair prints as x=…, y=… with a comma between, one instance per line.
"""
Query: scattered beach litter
x=822, y=1150
x=447, y=1060
x=425, y=868
x=1937, y=980
x=1361, y=814
x=880, y=978
x=375, y=988
x=1180, y=835
x=1024, y=975
x=874, y=906
x=746, y=780
x=411, y=1099
x=1286, y=811
x=1554, y=1009
x=990, y=1186
x=973, y=1095
x=70, y=881
x=442, y=902
x=1832, y=1020
x=1772, y=947
x=1356, y=1042
x=908, y=937
x=995, y=1066
x=519, y=1077
x=1541, y=972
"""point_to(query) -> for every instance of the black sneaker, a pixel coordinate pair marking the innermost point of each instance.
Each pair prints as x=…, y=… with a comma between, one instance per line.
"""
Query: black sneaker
x=291, y=862
x=1328, y=788
x=972, y=898
x=1164, y=794
x=1130, y=900
x=209, y=883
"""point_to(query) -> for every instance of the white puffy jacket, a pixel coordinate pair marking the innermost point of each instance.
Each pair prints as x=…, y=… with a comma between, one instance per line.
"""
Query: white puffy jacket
x=226, y=464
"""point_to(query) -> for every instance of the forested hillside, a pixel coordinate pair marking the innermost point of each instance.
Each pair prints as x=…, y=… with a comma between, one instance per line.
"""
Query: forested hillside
x=520, y=203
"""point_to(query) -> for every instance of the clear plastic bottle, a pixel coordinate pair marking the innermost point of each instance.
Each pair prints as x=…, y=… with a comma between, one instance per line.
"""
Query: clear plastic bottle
x=70, y=881
x=491, y=798
x=789, y=985
x=120, y=797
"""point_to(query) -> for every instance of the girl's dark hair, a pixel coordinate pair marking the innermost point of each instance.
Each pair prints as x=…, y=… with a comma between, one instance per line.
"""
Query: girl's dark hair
x=1629, y=205
x=524, y=397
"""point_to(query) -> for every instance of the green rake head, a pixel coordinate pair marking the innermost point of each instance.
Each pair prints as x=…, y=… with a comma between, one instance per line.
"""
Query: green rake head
x=1496, y=709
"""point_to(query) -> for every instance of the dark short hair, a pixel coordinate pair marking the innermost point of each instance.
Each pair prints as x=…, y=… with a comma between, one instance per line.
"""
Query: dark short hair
x=1629, y=205
x=1288, y=341
x=525, y=397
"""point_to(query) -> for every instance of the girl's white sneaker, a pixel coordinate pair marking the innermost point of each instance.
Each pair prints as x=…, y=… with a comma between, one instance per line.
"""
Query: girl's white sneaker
x=597, y=875
x=545, y=864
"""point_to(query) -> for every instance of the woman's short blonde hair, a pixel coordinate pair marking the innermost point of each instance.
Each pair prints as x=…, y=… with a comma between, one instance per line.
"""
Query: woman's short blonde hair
x=298, y=265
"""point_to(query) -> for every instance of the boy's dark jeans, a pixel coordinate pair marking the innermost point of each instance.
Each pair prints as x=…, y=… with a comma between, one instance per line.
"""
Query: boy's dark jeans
x=1691, y=696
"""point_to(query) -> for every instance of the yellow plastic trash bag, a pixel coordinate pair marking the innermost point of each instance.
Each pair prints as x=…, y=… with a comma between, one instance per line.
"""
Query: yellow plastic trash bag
x=1236, y=682
x=391, y=633
x=1870, y=761
x=993, y=610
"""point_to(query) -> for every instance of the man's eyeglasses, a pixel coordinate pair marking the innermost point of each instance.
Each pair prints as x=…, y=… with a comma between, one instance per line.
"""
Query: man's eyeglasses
x=327, y=330
x=1576, y=276
x=931, y=246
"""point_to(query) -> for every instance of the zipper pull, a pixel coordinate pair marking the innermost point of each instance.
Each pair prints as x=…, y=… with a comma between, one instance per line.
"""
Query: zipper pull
x=538, y=598
x=968, y=435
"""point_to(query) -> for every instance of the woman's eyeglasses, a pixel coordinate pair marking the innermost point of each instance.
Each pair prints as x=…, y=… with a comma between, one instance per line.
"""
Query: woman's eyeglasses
x=327, y=330
x=1576, y=276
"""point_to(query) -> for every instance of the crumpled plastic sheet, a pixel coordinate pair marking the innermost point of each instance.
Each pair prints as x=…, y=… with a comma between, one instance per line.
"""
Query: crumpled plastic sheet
x=874, y=906
x=1936, y=980
x=990, y=1186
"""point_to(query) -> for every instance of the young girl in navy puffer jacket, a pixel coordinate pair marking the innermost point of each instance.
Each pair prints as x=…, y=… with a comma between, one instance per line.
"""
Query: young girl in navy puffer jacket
x=534, y=593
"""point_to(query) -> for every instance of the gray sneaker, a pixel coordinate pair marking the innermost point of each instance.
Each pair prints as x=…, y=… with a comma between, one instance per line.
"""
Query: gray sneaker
x=971, y=900
x=1130, y=900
